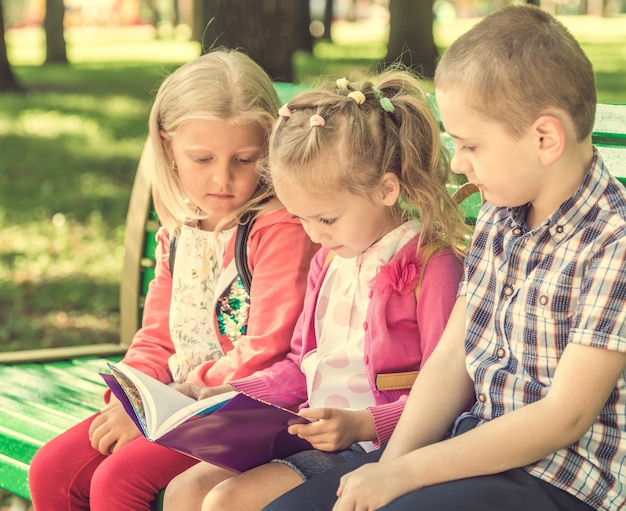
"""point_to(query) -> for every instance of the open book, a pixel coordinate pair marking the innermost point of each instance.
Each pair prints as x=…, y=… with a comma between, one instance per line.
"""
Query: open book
x=233, y=430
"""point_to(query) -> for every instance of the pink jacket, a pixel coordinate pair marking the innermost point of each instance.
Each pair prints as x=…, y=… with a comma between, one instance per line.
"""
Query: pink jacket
x=399, y=334
x=279, y=253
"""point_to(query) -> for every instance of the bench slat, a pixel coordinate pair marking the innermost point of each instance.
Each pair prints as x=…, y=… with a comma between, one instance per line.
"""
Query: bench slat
x=15, y=472
x=610, y=125
x=38, y=402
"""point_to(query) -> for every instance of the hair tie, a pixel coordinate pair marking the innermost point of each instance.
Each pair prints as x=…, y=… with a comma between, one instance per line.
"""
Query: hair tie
x=316, y=120
x=358, y=97
x=385, y=103
x=284, y=111
x=342, y=83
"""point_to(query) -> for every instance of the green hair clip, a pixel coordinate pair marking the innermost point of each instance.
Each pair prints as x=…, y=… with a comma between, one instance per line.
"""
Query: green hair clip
x=385, y=103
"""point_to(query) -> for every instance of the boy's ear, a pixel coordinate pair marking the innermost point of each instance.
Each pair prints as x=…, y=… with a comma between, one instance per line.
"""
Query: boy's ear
x=551, y=138
x=389, y=189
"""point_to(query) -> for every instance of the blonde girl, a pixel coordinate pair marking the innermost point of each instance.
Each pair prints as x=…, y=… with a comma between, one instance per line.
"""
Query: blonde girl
x=209, y=128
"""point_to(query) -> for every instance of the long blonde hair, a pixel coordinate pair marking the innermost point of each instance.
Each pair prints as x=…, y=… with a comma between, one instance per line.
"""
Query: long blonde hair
x=392, y=130
x=222, y=84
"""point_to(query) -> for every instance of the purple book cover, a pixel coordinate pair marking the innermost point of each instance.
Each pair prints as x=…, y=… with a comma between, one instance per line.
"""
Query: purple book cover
x=240, y=435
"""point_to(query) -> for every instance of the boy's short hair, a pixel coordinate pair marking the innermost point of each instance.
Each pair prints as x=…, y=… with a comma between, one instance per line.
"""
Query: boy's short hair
x=516, y=63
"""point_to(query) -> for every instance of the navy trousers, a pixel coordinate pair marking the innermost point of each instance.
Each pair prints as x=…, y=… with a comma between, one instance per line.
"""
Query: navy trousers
x=513, y=490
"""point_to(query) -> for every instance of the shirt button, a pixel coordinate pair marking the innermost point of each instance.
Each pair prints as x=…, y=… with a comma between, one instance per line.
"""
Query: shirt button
x=543, y=300
x=370, y=294
x=482, y=398
x=501, y=352
x=508, y=291
x=365, y=325
x=559, y=229
x=517, y=231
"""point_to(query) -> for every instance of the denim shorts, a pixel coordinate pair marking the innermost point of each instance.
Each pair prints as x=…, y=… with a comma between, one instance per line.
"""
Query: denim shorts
x=313, y=462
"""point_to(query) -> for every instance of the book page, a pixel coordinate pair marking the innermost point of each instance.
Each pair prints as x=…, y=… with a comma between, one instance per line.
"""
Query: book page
x=162, y=406
x=194, y=410
x=159, y=401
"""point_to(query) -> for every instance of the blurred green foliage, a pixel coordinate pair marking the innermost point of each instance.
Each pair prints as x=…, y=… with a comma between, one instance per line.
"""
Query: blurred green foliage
x=69, y=148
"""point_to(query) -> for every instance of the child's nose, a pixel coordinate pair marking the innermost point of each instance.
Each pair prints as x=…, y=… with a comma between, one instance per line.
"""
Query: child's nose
x=315, y=233
x=222, y=173
x=460, y=164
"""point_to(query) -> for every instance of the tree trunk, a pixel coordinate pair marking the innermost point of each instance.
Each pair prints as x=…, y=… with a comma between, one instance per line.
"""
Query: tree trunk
x=411, y=38
x=175, y=13
x=8, y=82
x=269, y=31
x=328, y=19
x=53, y=26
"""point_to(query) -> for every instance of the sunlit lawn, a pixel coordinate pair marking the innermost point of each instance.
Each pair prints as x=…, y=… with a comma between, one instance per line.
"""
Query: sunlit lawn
x=69, y=148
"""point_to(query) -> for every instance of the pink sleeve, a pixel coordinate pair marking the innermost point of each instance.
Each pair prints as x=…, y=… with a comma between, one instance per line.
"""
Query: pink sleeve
x=152, y=346
x=436, y=298
x=280, y=252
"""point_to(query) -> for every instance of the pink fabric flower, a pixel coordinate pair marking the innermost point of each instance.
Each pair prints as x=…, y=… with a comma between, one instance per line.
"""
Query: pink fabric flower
x=396, y=276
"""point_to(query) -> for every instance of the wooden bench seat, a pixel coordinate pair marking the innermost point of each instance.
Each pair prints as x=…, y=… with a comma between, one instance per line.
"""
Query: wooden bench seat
x=44, y=392
x=39, y=400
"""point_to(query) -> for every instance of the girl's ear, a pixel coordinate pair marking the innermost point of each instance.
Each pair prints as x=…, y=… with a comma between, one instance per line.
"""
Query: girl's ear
x=166, y=141
x=551, y=137
x=389, y=189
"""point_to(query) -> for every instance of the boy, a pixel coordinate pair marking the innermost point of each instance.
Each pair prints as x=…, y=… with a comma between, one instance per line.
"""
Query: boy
x=538, y=334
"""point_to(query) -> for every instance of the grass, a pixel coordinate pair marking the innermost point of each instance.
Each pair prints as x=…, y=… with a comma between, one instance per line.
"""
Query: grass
x=70, y=147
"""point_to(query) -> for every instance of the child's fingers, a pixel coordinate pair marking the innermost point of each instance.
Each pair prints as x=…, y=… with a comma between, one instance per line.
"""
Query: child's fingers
x=302, y=430
x=314, y=427
x=316, y=414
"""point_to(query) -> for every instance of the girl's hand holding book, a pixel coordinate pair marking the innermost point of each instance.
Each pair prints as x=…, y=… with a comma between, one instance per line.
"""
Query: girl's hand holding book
x=335, y=429
x=112, y=429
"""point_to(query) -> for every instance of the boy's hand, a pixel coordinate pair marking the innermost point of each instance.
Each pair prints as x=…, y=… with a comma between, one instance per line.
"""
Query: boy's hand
x=112, y=429
x=199, y=392
x=334, y=428
x=370, y=487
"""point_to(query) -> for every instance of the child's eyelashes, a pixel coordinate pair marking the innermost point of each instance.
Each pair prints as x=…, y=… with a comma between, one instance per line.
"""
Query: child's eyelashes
x=239, y=161
x=325, y=221
x=460, y=146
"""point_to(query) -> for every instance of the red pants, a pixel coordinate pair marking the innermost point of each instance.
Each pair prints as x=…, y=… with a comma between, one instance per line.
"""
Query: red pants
x=68, y=474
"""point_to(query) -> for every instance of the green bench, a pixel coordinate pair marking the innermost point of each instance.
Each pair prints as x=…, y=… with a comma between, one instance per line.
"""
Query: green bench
x=44, y=392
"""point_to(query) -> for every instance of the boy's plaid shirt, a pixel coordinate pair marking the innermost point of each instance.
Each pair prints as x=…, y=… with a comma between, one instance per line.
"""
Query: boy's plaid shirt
x=529, y=294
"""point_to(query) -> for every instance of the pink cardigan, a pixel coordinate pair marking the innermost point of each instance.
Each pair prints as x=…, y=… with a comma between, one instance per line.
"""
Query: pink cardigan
x=279, y=253
x=399, y=334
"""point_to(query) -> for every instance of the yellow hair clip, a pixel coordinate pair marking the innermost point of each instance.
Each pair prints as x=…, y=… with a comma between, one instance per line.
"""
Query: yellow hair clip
x=358, y=96
x=342, y=83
